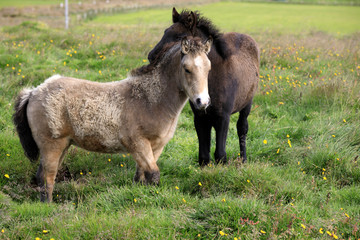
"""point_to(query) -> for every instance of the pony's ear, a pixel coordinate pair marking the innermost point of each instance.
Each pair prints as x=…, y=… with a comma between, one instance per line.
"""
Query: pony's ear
x=192, y=21
x=175, y=15
x=185, y=45
x=208, y=45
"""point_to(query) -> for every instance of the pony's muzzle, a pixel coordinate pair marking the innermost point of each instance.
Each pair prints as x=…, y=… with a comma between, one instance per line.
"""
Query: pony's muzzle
x=202, y=102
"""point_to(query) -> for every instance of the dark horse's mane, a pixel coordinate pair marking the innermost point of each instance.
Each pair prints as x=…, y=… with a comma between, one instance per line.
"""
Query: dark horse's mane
x=207, y=28
x=153, y=64
x=204, y=25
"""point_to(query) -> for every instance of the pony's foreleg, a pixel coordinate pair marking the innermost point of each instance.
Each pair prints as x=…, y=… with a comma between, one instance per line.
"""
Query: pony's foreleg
x=147, y=171
x=221, y=128
x=203, y=129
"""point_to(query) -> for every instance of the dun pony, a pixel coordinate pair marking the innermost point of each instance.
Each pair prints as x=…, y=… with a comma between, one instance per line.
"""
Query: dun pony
x=137, y=115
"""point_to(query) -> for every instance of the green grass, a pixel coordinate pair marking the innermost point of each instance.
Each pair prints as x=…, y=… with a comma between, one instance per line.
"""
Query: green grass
x=308, y=96
x=317, y=2
x=256, y=17
x=27, y=3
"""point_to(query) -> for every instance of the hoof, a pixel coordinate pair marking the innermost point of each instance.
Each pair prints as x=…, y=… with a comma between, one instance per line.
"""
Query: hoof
x=147, y=178
x=152, y=177
x=204, y=162
x=222, y=160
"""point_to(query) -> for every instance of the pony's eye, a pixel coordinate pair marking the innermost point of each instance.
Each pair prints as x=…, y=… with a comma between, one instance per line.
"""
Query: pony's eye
x=187, y=70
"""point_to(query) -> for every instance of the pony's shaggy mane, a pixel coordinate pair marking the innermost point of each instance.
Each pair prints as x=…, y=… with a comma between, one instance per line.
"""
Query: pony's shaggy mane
x=195, y=45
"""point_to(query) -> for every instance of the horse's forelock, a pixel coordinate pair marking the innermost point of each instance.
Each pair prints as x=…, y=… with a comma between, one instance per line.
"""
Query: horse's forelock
x=202, y=23
x=196, y=45
x=205, y=29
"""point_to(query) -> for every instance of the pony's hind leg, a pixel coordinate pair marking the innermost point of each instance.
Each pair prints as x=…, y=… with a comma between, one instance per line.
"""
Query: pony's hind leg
x=40, y=182
x=242, y=129
x=51, y=157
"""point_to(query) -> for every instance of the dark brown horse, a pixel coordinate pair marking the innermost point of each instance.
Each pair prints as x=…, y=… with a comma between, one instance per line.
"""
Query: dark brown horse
x=233, y=80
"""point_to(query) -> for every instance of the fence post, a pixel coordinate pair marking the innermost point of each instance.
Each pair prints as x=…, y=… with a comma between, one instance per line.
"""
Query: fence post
x=66, y=14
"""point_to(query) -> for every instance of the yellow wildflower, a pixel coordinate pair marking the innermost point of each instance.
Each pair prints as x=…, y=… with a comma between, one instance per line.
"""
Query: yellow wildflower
x=222, y=233
x=321, y=231
x=263, y=232
x=324, y=178
x=223, y=200
x=200, y=184
x=176, y=187
x=265, y=141
x=135, y=200
x=344, y=120
x=278, y=150
x=289, y=142
x=347, y=215
x=2, y=230
x=303, y=226
x=7, y=176
x=45, y=231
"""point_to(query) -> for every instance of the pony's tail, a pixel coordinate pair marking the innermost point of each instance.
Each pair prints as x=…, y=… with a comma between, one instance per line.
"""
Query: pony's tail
x=20, y=120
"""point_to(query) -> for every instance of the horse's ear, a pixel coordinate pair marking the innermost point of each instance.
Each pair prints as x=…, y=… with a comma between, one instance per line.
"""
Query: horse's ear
x=175, y=15
x=185, y=45
x=208, y=45
x=192, y=21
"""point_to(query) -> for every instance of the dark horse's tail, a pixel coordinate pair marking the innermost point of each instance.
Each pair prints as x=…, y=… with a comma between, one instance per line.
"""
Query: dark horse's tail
x=22, y=126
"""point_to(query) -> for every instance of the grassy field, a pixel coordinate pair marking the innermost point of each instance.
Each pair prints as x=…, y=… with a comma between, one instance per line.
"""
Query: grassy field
x=256, y=17
x=302, y=179
x=27, y=3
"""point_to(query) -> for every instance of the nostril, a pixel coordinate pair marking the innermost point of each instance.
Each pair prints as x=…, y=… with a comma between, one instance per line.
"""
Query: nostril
x=198, y=101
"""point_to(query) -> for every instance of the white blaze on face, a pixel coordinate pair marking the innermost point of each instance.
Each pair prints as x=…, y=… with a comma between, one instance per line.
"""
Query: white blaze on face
x=203, y=98
x=198, y=61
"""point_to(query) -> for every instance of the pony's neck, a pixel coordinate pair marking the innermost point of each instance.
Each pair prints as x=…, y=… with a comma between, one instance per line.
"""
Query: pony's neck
x=174, y=98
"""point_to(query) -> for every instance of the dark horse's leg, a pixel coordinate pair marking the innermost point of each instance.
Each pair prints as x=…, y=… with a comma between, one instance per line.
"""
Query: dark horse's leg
x=203, y=130
x=221, y=125
x=242, y=129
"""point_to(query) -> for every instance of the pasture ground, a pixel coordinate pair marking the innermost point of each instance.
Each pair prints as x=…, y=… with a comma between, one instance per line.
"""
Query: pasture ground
x=302, y=179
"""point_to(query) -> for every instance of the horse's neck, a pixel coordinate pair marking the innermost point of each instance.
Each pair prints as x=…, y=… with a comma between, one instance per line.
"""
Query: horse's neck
x=174, y=97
